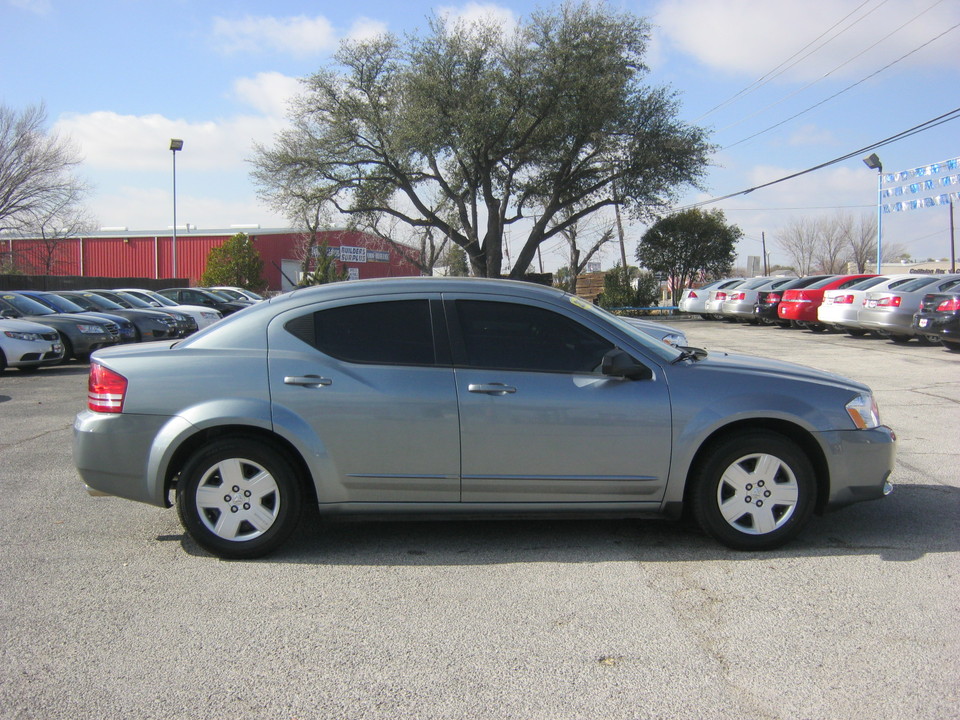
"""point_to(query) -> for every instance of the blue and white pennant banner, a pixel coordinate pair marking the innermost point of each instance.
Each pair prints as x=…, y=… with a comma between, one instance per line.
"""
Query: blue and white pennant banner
x=932, y=185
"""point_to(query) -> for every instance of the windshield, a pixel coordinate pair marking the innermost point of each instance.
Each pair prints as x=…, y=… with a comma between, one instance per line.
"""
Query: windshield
x=60, y=304
x=134, y=300
x=159, y=298
x=95, y=302
x=661, y=350
x=920, y=282
x=26, y=305
x=869, y=282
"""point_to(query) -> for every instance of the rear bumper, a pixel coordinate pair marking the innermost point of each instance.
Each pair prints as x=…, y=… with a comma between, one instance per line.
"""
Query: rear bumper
x=899, y=323
x=114, y=454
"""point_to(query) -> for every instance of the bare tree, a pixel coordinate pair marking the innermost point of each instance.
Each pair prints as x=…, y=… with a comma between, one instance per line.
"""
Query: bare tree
x=832, y=247
x=68, y=218
x=578, y=259
x=799, y=241
x=36, y=169
x=863, y=242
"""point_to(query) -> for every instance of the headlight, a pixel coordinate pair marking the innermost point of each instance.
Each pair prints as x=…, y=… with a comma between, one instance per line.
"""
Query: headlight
x=92, y=329
x=22, y=335
x=675, y=340
x=863, y=411
x=210, y=315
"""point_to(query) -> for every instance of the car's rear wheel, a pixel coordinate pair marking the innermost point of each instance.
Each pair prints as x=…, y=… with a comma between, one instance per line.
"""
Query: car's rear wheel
x=754, y=492
x=951, y=345
x=239, y=498
x=900, y=339
x=855, y=332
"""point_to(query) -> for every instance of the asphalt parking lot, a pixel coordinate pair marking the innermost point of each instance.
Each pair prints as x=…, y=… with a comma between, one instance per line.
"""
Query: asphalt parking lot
x=109, y=611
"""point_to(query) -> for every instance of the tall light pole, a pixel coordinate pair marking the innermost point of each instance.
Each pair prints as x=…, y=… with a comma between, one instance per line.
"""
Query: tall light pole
x=175, y=144
x=873, y=162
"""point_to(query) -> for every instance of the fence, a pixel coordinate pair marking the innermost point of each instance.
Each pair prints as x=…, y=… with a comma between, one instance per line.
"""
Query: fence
x=76, y=282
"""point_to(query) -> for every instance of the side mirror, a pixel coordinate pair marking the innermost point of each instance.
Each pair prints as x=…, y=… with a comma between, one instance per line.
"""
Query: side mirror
x=617, y=363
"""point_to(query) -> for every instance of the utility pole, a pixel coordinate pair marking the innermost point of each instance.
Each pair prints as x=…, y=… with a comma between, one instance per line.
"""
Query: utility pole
x=763, y=245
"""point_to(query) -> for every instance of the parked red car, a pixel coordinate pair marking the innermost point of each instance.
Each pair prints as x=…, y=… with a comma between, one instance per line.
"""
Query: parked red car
x=800, y=306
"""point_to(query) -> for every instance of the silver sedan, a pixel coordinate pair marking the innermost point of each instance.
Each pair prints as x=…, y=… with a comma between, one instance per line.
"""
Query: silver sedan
x=466, y=396
x=890, y=312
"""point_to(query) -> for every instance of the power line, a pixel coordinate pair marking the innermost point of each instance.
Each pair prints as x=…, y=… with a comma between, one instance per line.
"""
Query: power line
x=849, y=87
x=922, y=127
x=838, y=67
x=771, y=74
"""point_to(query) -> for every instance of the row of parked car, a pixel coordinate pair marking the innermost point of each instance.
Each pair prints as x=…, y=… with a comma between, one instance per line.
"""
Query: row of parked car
x=40, y=328
x=898, y=307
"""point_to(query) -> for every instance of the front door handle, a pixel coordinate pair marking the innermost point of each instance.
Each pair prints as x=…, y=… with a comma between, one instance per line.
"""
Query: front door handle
x=491, y=388
x=307, y=380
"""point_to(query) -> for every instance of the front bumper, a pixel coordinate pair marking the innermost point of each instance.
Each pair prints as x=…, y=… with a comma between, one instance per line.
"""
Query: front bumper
x=860, y=464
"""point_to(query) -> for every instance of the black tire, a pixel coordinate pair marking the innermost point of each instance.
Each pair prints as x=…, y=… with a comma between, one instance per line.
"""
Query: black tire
x=951, y=345
x=67, y=349
x=900, y=339
x=3, y=361
x=856, y=332
x=264, y=499
x=816, y=327
x=725, y=485
x=928, y=339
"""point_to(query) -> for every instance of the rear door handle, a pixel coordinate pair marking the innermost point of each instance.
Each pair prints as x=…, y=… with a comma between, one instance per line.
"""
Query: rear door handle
x=491, y=388
x=307, y=380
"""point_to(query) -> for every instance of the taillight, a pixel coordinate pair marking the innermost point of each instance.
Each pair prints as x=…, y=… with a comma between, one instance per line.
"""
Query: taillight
x=773, y=298
x=843, y=300
x=892, y=301
x=721, y=296
x=738, y=296
x=105, y=389
x=692, y=294
x=951, y=305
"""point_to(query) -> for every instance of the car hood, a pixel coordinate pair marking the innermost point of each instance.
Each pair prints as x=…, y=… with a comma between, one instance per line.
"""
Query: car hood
x=61, y=318
x=14, y=325
x=751, y=365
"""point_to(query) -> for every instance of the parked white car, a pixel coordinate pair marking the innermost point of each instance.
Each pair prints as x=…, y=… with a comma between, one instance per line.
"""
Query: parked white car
x=203, y=315
x=693, y=300
x=840, y=307
x=28, y=345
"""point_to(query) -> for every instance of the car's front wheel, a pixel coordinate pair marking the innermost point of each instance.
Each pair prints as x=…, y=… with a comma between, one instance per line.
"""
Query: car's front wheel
x=239, y=498
x=754, y=492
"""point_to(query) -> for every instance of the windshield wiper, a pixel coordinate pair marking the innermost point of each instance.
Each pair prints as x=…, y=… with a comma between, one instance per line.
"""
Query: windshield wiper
x=689, y=353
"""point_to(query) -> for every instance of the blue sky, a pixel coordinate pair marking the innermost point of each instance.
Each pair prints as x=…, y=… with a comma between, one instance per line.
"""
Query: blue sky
x=121, y=78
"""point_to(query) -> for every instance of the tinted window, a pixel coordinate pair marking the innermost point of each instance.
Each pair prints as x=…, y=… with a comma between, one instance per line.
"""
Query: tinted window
x=385, y=333
x=848, y=283
x=507, y=336
x=870, y=282
x=920, y=282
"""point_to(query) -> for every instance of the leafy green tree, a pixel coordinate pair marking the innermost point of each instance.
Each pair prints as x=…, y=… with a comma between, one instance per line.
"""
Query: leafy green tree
x=457, y=265
x=619, y=290
x=471, y=130
x=687, y=244
x=236, y=263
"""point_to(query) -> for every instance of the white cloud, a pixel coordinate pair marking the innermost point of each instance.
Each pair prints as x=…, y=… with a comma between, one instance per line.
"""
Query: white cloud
x=366, y=29
x=753, y=37
x=812, y=135
x=37, y=7
x=474, y=12
x=301, y=36
x=268, y=92
x=110, y=141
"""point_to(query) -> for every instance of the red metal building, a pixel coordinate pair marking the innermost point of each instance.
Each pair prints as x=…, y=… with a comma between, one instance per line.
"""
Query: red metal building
x=121, y=253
